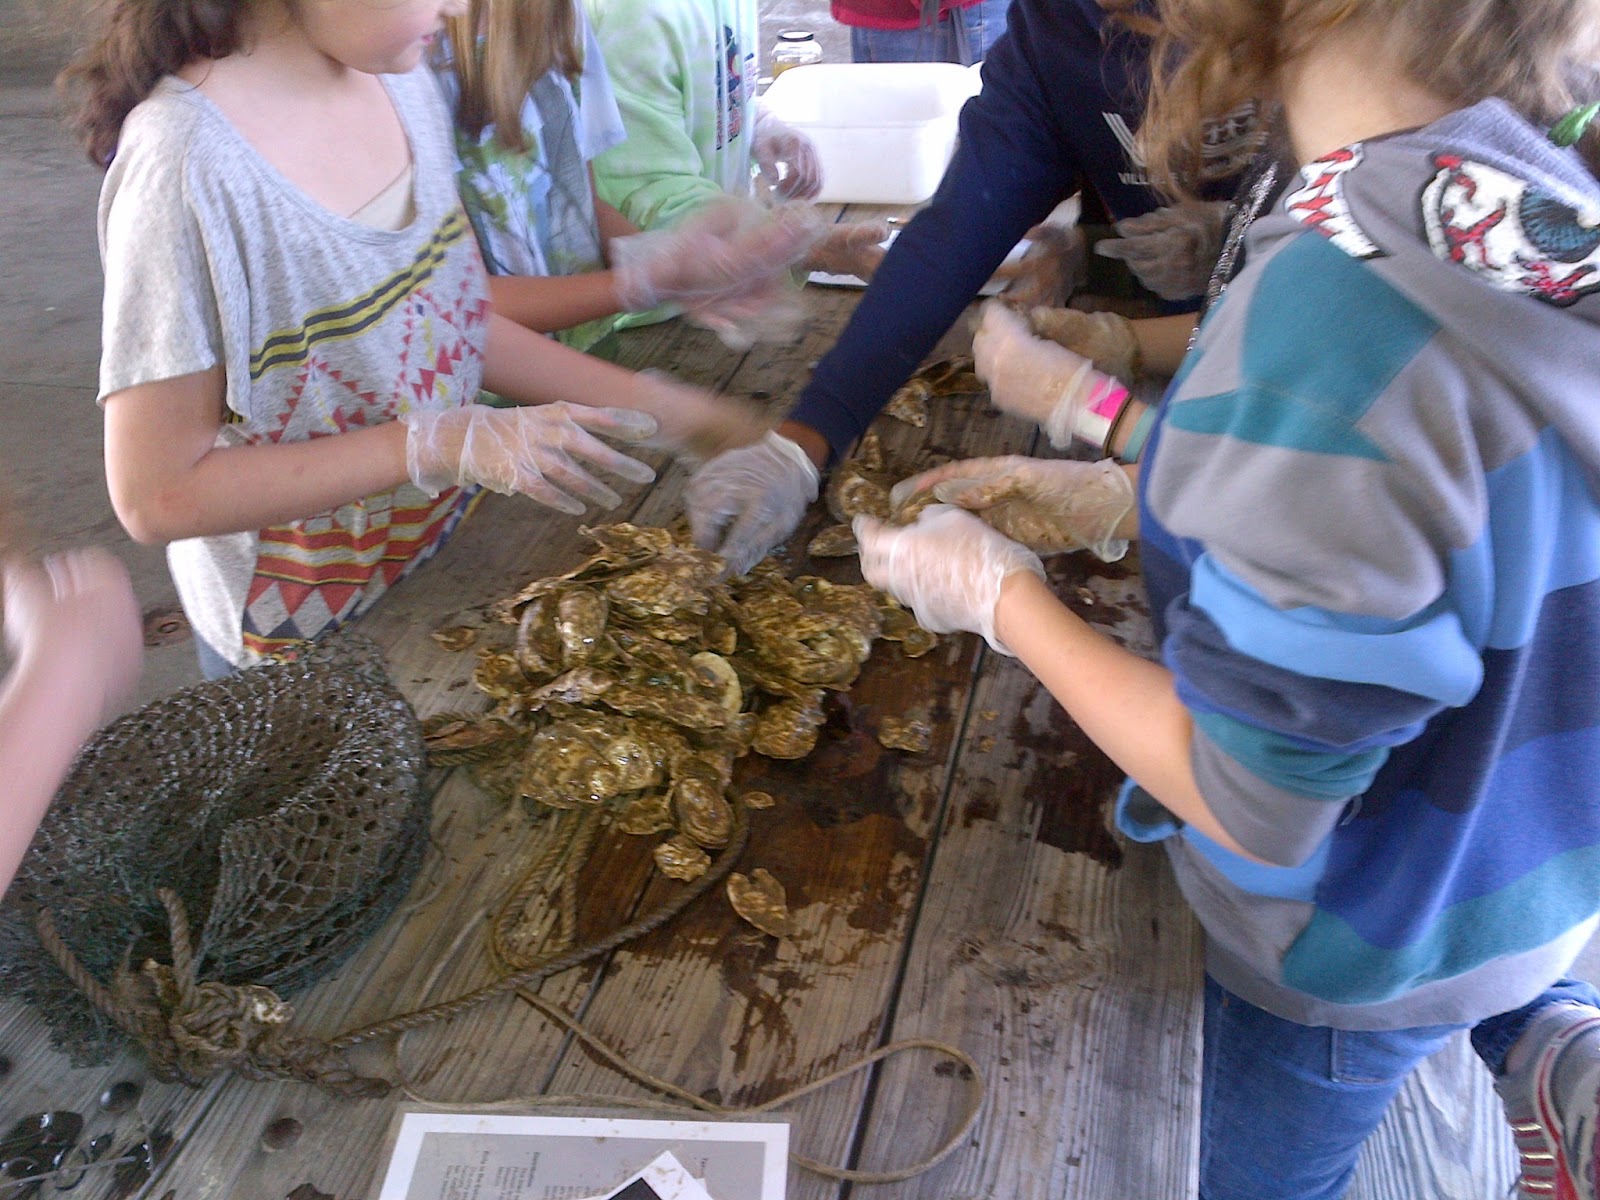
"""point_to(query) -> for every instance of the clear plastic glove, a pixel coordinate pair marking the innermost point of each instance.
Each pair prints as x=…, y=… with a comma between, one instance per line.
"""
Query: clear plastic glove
x=730, y=247
x=853, y=248
x=1171, y=250
x=1054, y=266
x=1036, y=379
x=744, y=502
x=786, y=159
x=771, y=311
x=544, y=451
x=692, y=424
x=1051, y=506
x=74, y=616
x=947, y=568
x=1106, y=339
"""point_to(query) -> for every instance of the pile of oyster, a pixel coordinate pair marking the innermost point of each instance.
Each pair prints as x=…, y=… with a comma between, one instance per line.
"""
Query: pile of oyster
x=635, y=680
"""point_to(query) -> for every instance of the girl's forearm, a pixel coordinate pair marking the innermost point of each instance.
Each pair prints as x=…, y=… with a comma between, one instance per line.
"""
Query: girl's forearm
x=529, y=368
x=548, y=303
x=612, y=223
x=168, y=480
x=1163, y=341
x=1125, y=704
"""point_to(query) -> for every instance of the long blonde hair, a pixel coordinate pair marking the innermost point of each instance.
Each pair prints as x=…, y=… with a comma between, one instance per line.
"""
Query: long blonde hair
x=1211, y=56
x=499, y=49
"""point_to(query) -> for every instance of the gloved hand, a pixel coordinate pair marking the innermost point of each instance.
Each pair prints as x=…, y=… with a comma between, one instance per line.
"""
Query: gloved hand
x=852, y=248
x=1171, y=250
x=1105, y=338
x=745, y=501
x=693, y=424
x=1051, y=506
x=74, y=616
x=947, y=567
x=1054, y=266
x=786, y=159
x=540, y=450
x=730, y=247
x=1039, y=380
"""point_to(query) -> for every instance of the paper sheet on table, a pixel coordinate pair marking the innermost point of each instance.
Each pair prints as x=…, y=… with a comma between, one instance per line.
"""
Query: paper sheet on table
x=502, y=1156
x=855, y=281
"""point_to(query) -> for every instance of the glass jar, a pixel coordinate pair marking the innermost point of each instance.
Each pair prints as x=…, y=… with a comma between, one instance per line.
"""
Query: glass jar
x=795, y=48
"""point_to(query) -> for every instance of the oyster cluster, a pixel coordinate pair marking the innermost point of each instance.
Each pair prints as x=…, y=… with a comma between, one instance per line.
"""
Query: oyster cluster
x=637, y=679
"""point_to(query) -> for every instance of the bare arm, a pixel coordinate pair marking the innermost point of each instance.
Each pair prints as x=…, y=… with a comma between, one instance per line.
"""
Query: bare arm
x=546, y=303
x=610, y=219
x=72, y=624
x=169, y=480
x=1127, y=705
x=1163, y=341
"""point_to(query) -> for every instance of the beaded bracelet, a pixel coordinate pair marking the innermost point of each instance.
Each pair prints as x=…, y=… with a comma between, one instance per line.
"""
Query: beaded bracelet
x=1139, y=436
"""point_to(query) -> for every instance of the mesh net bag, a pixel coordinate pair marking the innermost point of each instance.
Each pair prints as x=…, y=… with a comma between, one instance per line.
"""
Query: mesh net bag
x=283, y=805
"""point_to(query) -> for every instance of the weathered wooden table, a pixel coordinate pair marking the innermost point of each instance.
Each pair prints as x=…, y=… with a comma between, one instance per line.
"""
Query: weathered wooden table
x=971, y=894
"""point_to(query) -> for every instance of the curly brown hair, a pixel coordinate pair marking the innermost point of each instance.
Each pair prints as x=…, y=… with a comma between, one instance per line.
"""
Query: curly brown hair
x=1211, y=56
x=139, y=42
x=499, y=49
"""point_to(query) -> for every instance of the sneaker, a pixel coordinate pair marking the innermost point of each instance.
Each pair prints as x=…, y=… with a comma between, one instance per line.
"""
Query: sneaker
x=1551, y=1103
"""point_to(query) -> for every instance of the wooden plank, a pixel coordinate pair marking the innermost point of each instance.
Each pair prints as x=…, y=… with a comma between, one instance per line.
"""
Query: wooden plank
x=741, y=1018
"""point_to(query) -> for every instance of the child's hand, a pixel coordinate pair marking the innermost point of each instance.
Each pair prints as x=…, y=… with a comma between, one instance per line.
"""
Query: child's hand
x=786, y=158
x=1036, y=379
x=851, y=248
x=1104, y=338
x=543, y=451
x=1171, y=250
x=74, y=616
x=947, y=568
x=730, y=247
x=691, y=423
x=1051, y=506
x=745, y=501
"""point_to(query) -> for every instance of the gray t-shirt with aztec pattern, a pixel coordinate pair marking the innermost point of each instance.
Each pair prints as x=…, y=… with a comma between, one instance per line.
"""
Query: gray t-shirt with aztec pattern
x=320, y=324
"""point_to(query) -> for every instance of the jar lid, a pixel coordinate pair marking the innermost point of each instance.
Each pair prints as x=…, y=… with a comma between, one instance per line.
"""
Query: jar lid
x=797, y=35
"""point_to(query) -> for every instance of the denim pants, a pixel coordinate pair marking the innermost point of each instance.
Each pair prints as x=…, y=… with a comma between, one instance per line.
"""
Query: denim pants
x=962, y=35
x=1285, y=1107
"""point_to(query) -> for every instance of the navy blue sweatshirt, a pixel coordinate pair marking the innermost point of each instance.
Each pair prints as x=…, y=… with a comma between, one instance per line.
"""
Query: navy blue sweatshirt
x=1062, y=91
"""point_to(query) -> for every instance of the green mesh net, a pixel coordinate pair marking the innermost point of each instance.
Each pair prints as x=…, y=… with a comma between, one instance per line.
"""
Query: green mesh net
x=284, y=805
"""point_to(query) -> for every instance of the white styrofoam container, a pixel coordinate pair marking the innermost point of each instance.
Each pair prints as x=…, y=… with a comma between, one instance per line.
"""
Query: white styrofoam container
x=884, y=131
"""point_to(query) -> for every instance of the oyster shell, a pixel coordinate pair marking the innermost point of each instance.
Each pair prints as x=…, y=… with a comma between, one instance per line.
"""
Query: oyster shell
x=912, y=732
x=836, y=541
x=453, y=738
x=455, y=637
x=680, y=858
x=760, y=899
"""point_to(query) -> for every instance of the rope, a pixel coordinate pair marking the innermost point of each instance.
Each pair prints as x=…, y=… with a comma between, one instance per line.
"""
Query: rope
x=688, y=1101
x=192, y=1030
x=554, y=964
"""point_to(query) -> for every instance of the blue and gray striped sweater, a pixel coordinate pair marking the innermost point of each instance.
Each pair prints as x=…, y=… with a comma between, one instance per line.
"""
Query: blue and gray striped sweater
x=1371, y=535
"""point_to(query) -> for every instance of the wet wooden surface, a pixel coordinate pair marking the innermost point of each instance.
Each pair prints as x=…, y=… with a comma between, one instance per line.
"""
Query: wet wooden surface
x=971, y=893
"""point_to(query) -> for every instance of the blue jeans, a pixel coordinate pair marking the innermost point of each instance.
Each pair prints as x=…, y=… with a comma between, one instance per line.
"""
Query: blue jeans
x=963, y=36
x=1284, y=1107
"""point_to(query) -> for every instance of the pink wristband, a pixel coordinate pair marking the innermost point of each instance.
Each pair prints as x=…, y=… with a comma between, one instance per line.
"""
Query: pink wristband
x=1096, y=419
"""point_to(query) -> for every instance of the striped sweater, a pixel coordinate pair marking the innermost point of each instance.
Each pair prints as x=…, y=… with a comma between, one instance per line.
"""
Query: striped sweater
x=1371, y=535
